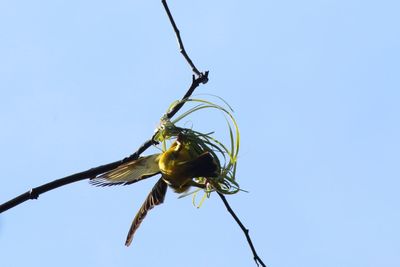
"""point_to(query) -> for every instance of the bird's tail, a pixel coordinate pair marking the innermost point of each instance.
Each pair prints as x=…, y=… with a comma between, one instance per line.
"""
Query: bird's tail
x=156, y=197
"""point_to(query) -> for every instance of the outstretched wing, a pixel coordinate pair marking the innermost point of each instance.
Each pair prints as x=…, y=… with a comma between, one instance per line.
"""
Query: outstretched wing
x=156, y=197
x=129, y=172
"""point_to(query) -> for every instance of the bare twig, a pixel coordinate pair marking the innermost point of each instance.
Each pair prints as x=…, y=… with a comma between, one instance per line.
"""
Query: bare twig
x=35, y=192
x=178, y=37
x=257, y=259
x=195, y=83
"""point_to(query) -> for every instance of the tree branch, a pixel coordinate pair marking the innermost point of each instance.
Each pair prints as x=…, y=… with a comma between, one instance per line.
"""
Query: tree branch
x=178, y=37
x=195, y=83
x=257, y=259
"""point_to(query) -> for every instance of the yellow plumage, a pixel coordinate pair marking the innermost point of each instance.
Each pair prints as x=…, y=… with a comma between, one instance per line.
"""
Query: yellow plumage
x=178, y=166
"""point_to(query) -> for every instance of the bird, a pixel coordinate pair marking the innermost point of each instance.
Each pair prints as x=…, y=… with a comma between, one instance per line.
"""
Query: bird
x=178, y=166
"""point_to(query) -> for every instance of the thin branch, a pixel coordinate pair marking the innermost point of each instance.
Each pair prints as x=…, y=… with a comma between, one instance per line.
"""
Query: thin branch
x=257, y=259
x=93, y=172
x=195, y=83
x=178, y=37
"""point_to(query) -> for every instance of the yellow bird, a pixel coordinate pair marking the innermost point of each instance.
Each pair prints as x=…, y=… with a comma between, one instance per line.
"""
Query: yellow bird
x=178, y=166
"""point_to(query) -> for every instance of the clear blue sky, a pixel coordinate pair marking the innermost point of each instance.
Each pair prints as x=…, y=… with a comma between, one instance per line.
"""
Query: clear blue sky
x=316, y=90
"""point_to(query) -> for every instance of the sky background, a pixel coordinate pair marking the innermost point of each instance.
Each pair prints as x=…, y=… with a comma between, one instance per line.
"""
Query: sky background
x=315, y=87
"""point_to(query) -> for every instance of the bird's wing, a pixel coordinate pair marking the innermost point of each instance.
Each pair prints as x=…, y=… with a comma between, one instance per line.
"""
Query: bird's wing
x=129, y=172
x=156, y=197
x=202, y=166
